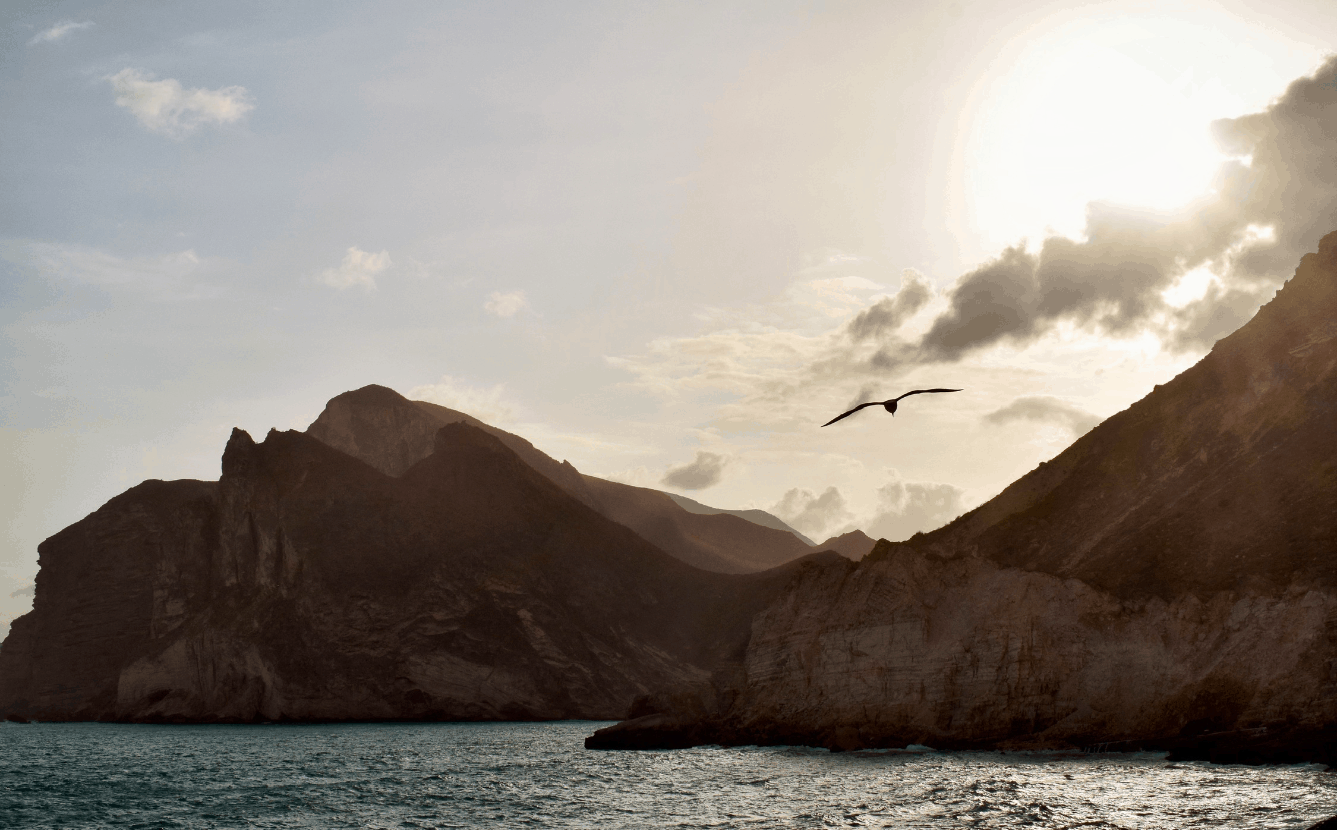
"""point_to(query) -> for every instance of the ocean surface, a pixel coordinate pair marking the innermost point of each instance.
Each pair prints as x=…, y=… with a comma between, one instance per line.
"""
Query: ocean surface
x=540, y=775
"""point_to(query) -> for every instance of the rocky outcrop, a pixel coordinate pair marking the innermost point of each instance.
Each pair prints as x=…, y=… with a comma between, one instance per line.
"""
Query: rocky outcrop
x=392, y=433
x=307, y=585
x=1169, y=580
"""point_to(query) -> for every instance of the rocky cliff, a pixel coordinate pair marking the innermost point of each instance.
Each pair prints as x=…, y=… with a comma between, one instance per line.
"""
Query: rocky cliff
x=1169, y=580
x=392, y=433
x=307, y=585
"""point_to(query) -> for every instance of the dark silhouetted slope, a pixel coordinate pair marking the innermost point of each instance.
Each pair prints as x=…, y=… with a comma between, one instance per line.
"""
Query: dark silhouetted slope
x=307, y=585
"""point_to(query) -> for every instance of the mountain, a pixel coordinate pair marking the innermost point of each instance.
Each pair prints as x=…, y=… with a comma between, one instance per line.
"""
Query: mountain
x=391, y=433
x=1170, y=580
x=308, y=585
x=760, y=517
x=853, y=545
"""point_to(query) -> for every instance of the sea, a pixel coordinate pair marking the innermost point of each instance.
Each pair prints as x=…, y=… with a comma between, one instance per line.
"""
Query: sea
x=448, y=775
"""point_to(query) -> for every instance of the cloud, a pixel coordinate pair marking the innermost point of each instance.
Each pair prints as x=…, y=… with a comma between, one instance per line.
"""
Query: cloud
x=902, y=510
x=1138, y=282
x=705, y=471
x=1272, y=204
x=487, y=404
x=175, y=276
x=506, y=304
x=26, y=591
x=59, y=31
x=358, y=268
x=1045, y=409
x=783, y=358
x=907, y=508
x=166, y=108
x=812, y=514
x=886, y=315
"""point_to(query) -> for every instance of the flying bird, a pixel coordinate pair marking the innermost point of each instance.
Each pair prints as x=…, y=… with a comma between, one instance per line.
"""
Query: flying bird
x=890, y=405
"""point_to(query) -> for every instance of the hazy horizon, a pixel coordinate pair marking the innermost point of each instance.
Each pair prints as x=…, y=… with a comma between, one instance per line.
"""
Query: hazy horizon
x=666, y=242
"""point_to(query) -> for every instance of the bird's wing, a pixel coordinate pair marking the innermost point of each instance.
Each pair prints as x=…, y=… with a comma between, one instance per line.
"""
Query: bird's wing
x=851, y=412
x=922, y=391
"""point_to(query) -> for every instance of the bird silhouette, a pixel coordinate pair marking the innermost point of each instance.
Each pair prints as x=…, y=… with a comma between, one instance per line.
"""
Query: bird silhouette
x=890, y=405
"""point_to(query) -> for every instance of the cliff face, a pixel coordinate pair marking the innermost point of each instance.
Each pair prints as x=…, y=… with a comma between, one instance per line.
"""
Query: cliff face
x=392, y=433
x=1169, y=580
x=307, y=585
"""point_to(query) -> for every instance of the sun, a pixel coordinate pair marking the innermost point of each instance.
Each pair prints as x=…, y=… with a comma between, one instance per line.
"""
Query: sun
x=1112, y=110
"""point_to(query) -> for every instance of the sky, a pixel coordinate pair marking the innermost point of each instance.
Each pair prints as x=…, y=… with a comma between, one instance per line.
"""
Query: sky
x=665, y=240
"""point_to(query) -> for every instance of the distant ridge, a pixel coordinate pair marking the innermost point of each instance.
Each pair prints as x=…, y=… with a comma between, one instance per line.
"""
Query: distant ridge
x=853, y=545
x=760, y=517
x=391, y=433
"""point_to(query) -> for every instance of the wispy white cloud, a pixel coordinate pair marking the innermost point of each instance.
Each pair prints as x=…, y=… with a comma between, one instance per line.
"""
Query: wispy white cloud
x=780, y=360
x=359, y=267
x=59, y=31
x=506, y=304
x=167, y=108
x=174, y=276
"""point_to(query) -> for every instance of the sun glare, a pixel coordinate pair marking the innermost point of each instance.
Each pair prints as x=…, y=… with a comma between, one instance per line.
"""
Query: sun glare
x=1083, y=116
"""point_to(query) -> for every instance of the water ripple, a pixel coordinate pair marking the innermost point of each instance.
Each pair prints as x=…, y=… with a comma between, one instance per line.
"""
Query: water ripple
x=539, y=775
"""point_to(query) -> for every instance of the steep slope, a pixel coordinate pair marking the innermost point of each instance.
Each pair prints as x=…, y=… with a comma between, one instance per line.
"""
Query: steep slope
x=391, y=433
x=1169, y=580
x=307, y=585
x=1224, y=476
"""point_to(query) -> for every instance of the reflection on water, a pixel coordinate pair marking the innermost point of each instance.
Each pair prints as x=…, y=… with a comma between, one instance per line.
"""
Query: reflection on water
x=487, y=775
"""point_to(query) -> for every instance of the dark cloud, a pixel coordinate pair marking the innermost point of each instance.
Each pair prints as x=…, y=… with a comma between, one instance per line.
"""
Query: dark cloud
x=1045, y=409
x=813, y=514
x=907, y=508
x=886, y=315
x=1270, y=207
x=1290, y=179
x=705, y=471
x=25, y=591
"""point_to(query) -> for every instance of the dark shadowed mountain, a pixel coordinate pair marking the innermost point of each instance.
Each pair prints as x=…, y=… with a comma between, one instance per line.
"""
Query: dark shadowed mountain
x=391, y=433
x=1169, y=580
x=307, y=585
